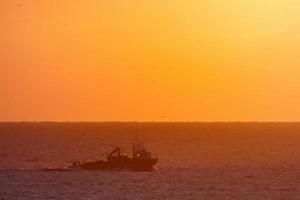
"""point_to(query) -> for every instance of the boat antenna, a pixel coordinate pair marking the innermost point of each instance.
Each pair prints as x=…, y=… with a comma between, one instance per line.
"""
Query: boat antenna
x=136, y=135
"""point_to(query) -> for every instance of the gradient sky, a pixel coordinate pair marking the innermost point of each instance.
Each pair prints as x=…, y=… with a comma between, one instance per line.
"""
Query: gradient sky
x=172, y=60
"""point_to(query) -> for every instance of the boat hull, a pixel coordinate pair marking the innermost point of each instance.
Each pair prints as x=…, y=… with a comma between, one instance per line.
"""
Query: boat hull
x=128, y=164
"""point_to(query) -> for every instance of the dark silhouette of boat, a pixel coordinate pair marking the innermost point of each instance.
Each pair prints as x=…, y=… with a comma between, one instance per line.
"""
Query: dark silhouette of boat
x=118, y=159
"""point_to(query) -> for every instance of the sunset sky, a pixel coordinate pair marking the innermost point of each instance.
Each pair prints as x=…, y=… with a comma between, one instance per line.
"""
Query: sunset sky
x=158, y=60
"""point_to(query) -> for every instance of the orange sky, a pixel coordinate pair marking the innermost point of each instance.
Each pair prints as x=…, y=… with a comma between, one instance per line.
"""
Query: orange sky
x=173, y=60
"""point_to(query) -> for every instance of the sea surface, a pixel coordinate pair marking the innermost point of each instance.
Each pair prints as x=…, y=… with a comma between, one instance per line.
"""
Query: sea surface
x=196, y=161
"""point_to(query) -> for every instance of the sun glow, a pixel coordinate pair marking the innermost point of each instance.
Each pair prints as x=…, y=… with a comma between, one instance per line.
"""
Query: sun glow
x=150, y=60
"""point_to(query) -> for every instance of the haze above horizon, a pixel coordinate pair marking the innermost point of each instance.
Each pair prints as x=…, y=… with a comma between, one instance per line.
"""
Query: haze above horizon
x=180, y=60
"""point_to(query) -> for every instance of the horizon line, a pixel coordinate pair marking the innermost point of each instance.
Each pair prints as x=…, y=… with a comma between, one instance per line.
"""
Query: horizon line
x=52, y=121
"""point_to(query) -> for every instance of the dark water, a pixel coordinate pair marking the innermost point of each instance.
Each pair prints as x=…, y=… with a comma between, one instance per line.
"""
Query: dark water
x=196, y=161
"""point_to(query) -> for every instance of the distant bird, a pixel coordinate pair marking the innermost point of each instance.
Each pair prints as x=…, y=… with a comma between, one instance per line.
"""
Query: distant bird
x=19, y=5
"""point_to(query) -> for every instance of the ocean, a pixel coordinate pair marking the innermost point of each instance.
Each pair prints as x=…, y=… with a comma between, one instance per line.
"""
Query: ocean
x=243, y=161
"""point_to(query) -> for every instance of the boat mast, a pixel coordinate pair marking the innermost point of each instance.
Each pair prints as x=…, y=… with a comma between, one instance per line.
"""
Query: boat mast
x=136, y=143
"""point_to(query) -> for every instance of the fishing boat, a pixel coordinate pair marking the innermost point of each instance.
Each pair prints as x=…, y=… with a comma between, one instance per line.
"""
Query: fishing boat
x=118, y=159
